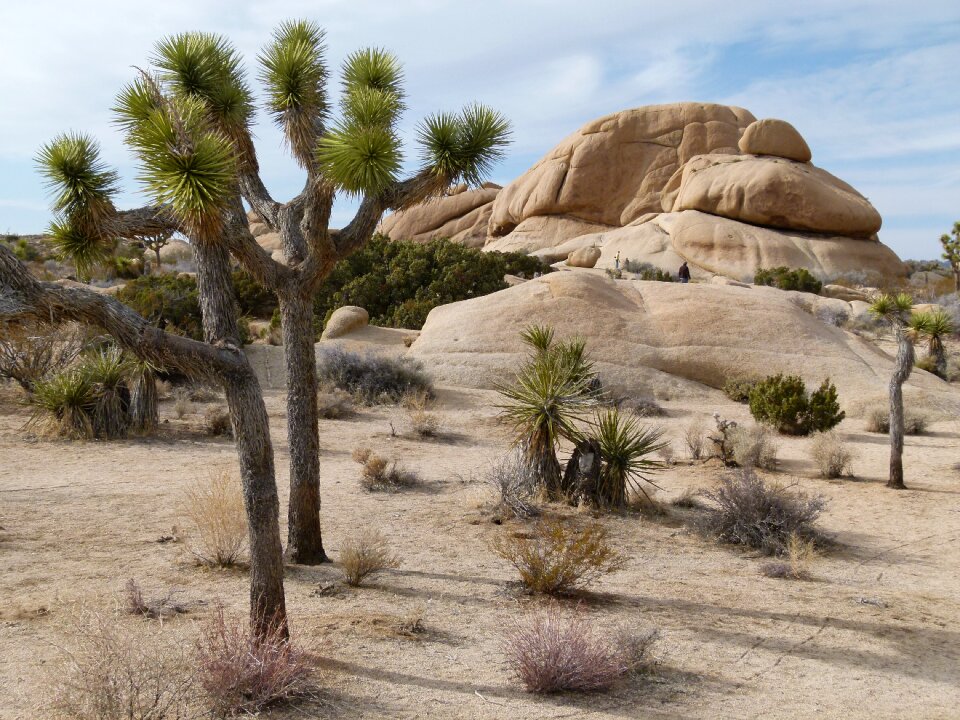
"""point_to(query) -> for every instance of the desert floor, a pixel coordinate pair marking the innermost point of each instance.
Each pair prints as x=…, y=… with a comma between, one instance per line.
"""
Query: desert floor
x=874, y=634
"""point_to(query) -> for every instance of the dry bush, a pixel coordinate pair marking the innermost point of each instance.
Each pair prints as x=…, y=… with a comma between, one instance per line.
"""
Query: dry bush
x=799, y=556
x=831, y=455
x=422, y=423
x=214, y=508
x=558, y=557
x=364, y=555
x=242, y=674
x=744, y=510
x=113, y=672
x=644, y=407
x=29, y=353
x=202, y=393
x=878, y=420
x=695, y=436
x=334, y=404
x=181, y=403
x=162, y=607
x=381, y=474
x=515, y=485
x=370, y=378
x=216, y=421
x=552, y=651
x=164, y=389
x=666, y=454
x=687, y=499
x=754, y=447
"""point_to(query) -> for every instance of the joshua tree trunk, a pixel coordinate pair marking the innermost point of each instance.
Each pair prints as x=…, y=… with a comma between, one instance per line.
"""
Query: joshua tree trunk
x=901, y=371
x=304, y=541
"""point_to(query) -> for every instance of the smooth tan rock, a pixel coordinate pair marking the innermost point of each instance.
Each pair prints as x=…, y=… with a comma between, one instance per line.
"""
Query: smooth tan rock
x=647, y=336
x=842, y=292
x=345, y=320
x=738, y=250
x=460, y=216
x=774, y=192
x=775, y=137
x=612, y=170
x=541, y=232
x=584, y=257
x=258, y=228
x=270, y=242
x=174, y=251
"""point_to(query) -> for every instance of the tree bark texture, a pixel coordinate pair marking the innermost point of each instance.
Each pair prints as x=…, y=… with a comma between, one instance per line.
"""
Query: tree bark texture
x=901, y=371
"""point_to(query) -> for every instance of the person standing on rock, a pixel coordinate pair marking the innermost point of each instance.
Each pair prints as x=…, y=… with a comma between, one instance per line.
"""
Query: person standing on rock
x=684, y=273
x=616, y=261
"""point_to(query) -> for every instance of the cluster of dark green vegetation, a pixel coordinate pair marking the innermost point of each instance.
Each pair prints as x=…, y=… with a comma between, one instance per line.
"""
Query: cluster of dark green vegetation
x=786, y=279
x=646, y=271
x=783, y=402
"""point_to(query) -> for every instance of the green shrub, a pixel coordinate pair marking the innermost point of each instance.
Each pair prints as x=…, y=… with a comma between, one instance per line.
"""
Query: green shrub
x=786, y=279
x=782, y=401
x=738, y=388
x=646, y=271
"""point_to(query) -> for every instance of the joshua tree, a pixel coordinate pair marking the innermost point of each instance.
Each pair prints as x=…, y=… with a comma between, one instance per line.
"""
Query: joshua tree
x=200, y=76
x=156, y=243
x=896, y=311
x=951, y=253
x=933, y=327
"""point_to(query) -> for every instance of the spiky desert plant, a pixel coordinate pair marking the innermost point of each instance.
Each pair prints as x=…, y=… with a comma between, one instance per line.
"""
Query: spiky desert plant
x=144, y=399
x=895, y=310
x=63, y=405
x=543, y=406
x=933, y=327
x=108, y=371
x=626, y=449
x=538, y=337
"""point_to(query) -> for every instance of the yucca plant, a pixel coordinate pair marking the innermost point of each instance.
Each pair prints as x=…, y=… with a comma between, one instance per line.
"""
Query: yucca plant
x=895, y=309
x=626, y=450
x=538, y=337
x=933, y=327
x=544, y=405
x=144, y=400
x=63, y=405
x=108, y=371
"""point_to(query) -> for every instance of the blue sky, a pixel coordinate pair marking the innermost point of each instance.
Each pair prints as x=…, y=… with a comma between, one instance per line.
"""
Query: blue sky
x=872, y=84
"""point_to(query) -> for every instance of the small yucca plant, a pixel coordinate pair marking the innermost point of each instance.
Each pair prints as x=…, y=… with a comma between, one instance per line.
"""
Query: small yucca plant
x=63, y=405
x=108, y=370
x=144, y=410
x=933, y=327
x=626, y=448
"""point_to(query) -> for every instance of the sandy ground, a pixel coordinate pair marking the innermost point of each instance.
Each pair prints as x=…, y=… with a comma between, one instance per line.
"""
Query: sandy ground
x=873, y=635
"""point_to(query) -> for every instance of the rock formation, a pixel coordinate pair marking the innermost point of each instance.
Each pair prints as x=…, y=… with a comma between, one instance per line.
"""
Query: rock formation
x=462, y=216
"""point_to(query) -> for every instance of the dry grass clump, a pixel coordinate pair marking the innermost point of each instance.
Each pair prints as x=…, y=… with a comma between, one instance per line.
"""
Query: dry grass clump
x=552, y=651
x=181, y=403
x=831, y=455
x=365, y=555
x=202, y=393
x=424, y=424
x=333, y=404
x=797, y=560
x=113, y=672
x=214, y=508
x=162, y=607
x=753, y=447
x=695, y=436
x=744, y=510
x=514, y=484
x=559, y=557
x=216, y=420
x=242, y=674
x=878, y=421
x=379, y=473
x=687, y=499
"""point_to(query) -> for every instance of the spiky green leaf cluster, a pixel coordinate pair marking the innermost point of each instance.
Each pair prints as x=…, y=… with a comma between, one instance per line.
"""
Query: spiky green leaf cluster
x=934, y=324
x=294, y=72
x=626, y=447
x=465, y=146
x=206, y=67
x=374, y=68
x=82, y=186
x=892, y=308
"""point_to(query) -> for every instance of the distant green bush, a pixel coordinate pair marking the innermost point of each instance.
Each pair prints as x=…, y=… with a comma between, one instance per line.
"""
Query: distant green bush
x=646, y=271
x=23, y=250
x=738, y=388
x=786, y=279
x=782, y=401
x=399, y=283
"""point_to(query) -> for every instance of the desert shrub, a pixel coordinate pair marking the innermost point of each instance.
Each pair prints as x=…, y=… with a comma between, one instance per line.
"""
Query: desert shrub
x=364, y=555
x=181, y=403
x=63, y=405
x=738, y=388
x=21, y=248
x=753, y=447
x=646, y=271
x=216, y=421
x=795, y=564
x=111, y=672
x=687, y=499
x=514, y=484
x=783, y=402
x=878, y=421
x=626, y=453
x=378, y=473
x=423, y=423
x=695, y=437
x=243, y=674
x=743, y=510
x=198, y=392
x=109, y=371
x=213, y=507
x=831, y=454
x=559, y=557
x=927, y=363
x=164, y=606
x=787, y=279
x=399, y=283
x=644, y=407
x=614, y=274
x=144, y=397
x=30, y=353
x=833, y=316
x=371, y=378
x=334, y=404
x=553, y=651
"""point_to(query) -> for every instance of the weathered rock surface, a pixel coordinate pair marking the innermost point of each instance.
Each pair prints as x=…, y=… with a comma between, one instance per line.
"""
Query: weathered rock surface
x=584, y=257
x=175, y=250
x=774, y=192
x=649, y=335
x=611, y=171
x=344, y=320
x=461, y=216
x=775, y=137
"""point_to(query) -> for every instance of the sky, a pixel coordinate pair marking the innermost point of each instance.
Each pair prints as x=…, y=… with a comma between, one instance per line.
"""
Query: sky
x=873, y=85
